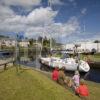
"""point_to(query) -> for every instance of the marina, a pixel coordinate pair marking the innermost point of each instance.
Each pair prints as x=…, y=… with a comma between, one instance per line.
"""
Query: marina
x=49, y=49
x=36, y=63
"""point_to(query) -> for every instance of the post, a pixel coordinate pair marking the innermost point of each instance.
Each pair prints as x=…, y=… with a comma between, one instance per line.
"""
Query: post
x=50, y=43
x=16, y=52
x=36, y=52
x=5, y=66
x=77, y=56
x=50, y=5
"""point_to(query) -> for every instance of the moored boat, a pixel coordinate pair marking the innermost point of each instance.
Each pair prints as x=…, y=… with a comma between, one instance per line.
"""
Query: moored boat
x=69, y=64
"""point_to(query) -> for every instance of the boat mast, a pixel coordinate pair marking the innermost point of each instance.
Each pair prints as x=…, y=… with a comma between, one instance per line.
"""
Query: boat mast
x=78, y=55
x=84, y=28
x=42, y=43
x=50, y=5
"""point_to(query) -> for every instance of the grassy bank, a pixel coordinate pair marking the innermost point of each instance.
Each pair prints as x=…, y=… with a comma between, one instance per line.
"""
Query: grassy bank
x=94, y=89
x=31, y=85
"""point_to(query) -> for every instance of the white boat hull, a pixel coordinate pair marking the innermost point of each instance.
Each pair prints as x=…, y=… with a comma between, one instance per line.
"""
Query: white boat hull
x=69, y=63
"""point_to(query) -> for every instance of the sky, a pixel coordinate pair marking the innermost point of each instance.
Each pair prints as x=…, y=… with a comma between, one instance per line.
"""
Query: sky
x=67, y=21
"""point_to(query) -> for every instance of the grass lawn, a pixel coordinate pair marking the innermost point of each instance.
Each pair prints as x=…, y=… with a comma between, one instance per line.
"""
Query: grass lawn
x=31, y=85
x=94, y=89
x=95, y=57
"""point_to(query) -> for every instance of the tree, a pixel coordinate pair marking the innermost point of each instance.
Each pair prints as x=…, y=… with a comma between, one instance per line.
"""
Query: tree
x=31, y=42
x=97, y=41
x=93, y=51
x=46, y=42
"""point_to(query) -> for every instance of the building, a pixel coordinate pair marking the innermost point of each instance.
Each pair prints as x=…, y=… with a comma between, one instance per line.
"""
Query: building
x=7, y=42
x=24, y=43
x=84, y=46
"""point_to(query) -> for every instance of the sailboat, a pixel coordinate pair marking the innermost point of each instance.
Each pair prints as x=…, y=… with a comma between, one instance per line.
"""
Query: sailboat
x=68, y=63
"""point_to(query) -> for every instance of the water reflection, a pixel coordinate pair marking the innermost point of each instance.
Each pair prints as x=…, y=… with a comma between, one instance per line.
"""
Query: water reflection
x=93, y=75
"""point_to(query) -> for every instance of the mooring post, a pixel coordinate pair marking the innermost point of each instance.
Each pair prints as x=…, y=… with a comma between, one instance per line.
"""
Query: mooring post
x=5, y=66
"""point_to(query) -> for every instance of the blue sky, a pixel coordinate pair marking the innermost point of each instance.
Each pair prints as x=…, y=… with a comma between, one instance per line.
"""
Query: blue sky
x=65, y=20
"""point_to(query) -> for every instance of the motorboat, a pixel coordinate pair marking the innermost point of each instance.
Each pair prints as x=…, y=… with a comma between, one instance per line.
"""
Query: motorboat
x=69, y=64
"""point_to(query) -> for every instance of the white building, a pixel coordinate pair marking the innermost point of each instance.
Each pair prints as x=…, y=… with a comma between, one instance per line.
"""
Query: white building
x=7, y=42
x=12, y=43
x=84, y=46
x=24, y=43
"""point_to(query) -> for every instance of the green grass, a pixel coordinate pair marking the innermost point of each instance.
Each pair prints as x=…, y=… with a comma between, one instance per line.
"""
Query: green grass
x=34, y=85
x=95, y=57
x=94, y=89
x=31, y=85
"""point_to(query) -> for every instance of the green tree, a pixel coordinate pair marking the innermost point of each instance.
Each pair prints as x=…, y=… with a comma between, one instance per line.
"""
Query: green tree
x=31, y=42
x=97, y=41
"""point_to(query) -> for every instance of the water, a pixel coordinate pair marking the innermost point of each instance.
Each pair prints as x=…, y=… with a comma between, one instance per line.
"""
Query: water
x=32, y=63
x=92, y=75
x=5, y=54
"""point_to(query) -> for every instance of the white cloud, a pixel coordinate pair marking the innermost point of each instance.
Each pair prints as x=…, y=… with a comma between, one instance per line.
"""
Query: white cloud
x=55, y=2
x=36, y=22
x=34, y=32
x=5, y=12
x=83, y=11
x=56, y=29
x=41, y=16
x=72, y=25
x=36, y=18
x=23, y=3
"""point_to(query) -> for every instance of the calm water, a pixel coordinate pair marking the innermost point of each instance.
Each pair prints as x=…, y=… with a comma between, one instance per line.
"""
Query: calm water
x=93, y=75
